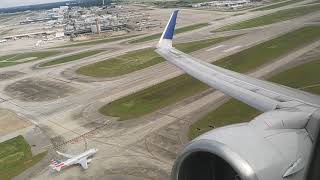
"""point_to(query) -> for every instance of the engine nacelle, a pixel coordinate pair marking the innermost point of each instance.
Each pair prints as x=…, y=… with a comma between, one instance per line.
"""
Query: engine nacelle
x=277, y=150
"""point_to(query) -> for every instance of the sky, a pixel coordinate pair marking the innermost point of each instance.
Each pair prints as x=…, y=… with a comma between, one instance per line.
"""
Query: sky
x=12, y=3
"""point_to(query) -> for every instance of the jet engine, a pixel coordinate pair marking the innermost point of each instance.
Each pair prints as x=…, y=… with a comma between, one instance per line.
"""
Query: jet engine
x=274, y=146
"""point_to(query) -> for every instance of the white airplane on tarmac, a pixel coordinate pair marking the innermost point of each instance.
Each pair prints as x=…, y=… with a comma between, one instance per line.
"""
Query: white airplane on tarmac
x=81, y=159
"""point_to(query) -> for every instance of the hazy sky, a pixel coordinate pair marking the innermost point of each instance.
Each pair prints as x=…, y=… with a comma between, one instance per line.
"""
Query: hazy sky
x=12, y=3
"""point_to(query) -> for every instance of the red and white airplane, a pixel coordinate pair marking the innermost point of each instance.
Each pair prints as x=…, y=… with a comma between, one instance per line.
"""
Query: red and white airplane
x=81, y=159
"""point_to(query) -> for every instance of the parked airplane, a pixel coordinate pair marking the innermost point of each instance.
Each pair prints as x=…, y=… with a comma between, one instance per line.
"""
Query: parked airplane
x=276, y=145
x=81, y=159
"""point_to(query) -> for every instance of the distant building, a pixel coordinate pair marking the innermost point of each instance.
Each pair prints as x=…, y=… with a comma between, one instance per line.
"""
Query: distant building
x=95, y=29
x=59, y=35
x=64, y=8
x=223, y=4
x=196, y=5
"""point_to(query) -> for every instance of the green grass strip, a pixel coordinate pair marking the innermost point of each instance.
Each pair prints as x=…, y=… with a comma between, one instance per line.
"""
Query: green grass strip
x=5, y=32
x=137, y=60
x=273, y=6
x=153, y=98
x=173, y=90
x=15, y=157
x=265, y=52
x=71, y=58
x=275, y=17
x=95, y=42
x=13, y=59
x=121, y=65
x=314, y=2
x=177, y=31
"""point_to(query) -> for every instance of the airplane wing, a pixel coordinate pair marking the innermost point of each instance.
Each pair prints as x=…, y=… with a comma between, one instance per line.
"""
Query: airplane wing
x=263, y=95
x=274, y=145
x=84, y=163
x=65, y=155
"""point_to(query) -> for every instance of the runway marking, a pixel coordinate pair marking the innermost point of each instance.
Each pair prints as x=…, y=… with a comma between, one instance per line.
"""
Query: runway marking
x=211, y=49
x=310, y=86
x=232, y=49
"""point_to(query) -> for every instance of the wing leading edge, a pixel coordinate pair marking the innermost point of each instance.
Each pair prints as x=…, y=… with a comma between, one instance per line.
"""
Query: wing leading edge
x=262, y=95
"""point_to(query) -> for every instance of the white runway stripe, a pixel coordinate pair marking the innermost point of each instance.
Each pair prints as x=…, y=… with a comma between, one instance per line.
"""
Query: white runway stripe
x=215, y=47
x=232, y=49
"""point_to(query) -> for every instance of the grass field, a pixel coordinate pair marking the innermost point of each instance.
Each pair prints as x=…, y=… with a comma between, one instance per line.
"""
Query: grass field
x=305, y=77
x=15, y=157
x=153, y=98
x=173, y=90
x=316, y=1
x=121, y=65
x=71, y=58
x=235, y=111
x=5, y=32
x=273, y=6
x=137, y=60
x=238, y=14
x=95, y=42
x=13, y=59
x=270, y=50
x=177, y=31
x=278, y=16
x=6, y=17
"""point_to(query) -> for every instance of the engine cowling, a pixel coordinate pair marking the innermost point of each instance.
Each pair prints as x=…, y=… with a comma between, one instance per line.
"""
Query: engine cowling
x=249, y=151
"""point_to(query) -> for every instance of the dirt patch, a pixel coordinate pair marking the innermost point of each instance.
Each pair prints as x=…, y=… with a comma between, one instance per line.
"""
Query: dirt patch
x=10, y=75
x=10, y=122
x=36, y=89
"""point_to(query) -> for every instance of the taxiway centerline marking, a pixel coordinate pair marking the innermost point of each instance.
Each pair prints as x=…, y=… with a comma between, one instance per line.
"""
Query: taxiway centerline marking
x=211, y=49
x=232, y=49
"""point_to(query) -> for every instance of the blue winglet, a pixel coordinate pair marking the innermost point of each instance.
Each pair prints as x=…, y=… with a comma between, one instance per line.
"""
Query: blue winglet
x=171, y=25
x=167, y=35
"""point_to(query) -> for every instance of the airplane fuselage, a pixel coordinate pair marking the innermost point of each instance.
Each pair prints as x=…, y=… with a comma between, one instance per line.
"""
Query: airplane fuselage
x=77, y=158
